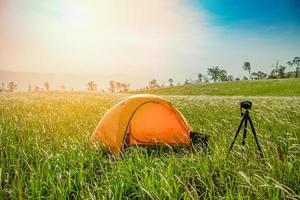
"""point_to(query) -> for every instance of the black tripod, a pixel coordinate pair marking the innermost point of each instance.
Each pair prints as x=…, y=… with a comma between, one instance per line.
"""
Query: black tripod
x=245, y=118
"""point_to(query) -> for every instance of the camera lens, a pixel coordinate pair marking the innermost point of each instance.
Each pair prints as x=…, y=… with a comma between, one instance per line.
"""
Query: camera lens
x=246, y=104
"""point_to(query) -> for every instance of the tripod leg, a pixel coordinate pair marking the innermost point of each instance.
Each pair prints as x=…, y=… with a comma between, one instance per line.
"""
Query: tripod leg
x=255, y=137
x=237, y=132
x=245, y=131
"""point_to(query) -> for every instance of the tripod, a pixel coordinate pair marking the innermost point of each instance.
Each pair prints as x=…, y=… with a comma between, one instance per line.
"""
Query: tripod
x=245, y=118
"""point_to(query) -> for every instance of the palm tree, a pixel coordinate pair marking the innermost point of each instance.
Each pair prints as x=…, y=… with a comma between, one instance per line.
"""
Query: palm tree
x=47, y=86
x=200, y=77
x=296, y=62
x=214, y=73
x=171, y=81
x=247, y=67
x=12, y=86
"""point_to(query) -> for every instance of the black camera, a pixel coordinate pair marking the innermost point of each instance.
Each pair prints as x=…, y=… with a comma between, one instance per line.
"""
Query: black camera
x=246, y=104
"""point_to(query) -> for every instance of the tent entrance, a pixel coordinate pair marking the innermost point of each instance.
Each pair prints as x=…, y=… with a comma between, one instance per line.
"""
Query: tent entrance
x=154, y=123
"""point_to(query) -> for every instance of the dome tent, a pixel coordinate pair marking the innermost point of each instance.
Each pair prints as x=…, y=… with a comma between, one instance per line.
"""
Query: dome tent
x=141, y=120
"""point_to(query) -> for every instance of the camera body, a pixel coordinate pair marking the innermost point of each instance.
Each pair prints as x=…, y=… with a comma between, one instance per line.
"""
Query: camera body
x=246, y=105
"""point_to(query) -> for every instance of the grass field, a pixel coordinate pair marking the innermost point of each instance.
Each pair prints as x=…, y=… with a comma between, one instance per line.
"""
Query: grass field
x=279, y=87
x=45, y=151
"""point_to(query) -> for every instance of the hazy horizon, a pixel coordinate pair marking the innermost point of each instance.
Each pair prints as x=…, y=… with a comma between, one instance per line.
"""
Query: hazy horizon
x=142, y=40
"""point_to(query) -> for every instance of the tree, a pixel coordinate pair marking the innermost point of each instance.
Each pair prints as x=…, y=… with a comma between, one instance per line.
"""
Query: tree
x=186, y=82
x=153, y=84
x=118, y=86
x=112, y=86
x=47, y=86
x=29, y=88
x=91, y=86
x=171, y=81
x=200, y=77
x=222, y=76
x=259, y=75
x=2, y=87
x=230, y=78
x=12, y=86
x=281, y=70
x=36, y=89
x=247, y=67
x=124, y=87
x=62, y=87
x=214, y=73
x=245, y=78
x=296, y=62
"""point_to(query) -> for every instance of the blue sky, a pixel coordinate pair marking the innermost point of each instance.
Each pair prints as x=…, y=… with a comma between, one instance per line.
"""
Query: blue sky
x=257, y=13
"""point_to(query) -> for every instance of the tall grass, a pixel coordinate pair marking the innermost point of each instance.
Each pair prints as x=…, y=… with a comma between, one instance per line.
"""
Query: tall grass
x=45, y=151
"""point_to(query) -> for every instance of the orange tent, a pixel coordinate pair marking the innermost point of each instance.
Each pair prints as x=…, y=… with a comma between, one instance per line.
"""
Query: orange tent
x=142, y=120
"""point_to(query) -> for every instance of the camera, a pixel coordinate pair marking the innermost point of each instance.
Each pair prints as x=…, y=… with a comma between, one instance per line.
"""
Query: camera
x=246, y=104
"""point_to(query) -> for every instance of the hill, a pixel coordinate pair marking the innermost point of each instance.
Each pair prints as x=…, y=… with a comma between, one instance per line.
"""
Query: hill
x=279, y=87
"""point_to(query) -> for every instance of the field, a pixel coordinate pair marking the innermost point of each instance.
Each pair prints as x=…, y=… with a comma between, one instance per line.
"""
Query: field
x=276, y=87
x=45, y=151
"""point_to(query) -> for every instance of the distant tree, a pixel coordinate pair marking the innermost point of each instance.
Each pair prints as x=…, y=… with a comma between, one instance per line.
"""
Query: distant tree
x=237, y=79
x=222, y=76
x=2, y=87
x=230, y=78
x=186, y=82
x=214, y=73
x=112, y=86
x=124, y=87
x=261, y=75
x=153, y=84
x=245, y=78
x=91, y=86
x=205, y=79
x=254, y=75
x=247, y=67
x=47, y=86
x=200, y=77
x=36, y=89
x=171, y=81
x=62, y=87
x=12, y=86
x=295, y=62
x=29, y=88
x=118, y=86
x=281, y=71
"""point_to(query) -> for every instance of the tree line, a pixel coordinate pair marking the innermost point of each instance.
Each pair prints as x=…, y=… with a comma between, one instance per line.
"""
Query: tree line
x=114, y=87
x=217, y=74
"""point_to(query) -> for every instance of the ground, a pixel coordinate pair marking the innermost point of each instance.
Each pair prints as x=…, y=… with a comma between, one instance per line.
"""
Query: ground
x=46, y=153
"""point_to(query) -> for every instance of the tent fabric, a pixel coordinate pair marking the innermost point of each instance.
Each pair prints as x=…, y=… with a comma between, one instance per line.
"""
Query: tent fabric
x=141, y=120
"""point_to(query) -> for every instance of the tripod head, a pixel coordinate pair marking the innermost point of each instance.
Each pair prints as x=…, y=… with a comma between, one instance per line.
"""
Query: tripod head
x=247, y=105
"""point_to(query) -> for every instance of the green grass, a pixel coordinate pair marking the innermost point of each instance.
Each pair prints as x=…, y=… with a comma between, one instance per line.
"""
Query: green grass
x=45, y=151
x=280, y=87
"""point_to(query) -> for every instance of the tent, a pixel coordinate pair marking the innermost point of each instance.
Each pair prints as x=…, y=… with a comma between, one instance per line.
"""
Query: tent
x=141, y=120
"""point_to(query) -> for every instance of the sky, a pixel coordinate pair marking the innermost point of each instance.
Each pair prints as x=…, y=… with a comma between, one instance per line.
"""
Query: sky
x=138, y=40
